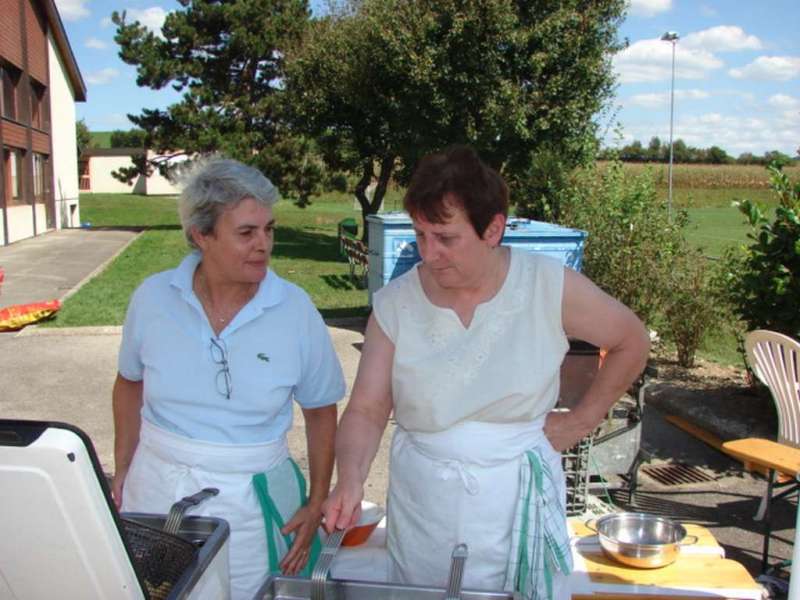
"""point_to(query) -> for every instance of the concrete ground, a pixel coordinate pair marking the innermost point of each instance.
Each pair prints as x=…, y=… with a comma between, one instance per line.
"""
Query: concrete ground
x=66, y=375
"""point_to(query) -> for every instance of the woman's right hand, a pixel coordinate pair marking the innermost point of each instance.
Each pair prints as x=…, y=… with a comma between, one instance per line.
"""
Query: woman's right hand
x=116, y=489
x=342, y=509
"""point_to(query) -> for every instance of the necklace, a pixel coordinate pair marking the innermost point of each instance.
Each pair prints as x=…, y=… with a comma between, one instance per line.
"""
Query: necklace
x=234, y=300
x=202, y=287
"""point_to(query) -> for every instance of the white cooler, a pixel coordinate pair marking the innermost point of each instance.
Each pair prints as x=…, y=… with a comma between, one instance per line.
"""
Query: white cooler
x=60, y=531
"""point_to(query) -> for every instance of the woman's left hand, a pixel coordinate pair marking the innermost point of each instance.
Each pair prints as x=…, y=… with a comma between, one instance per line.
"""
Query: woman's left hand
x=304, y=525
x=564, y=430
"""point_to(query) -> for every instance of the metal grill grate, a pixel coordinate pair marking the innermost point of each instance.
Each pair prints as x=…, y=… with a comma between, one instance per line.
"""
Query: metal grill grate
x=676, y=474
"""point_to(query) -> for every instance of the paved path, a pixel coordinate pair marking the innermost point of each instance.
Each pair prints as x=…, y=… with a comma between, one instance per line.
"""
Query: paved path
x=53, y=265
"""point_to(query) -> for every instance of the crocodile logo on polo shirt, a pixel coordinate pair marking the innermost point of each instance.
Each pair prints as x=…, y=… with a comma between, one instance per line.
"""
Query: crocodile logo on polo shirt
x=262, y=356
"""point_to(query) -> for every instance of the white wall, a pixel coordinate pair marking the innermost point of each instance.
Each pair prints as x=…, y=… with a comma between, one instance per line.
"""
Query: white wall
x=20, y=222
x=158, y=184
x=100, y=168
x=65, y=153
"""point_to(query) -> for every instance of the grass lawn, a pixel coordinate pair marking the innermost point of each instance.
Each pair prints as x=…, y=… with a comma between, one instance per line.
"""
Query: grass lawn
x=306, y=253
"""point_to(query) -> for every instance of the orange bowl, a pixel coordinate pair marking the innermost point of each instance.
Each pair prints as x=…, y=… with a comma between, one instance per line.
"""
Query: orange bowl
x=371, y=515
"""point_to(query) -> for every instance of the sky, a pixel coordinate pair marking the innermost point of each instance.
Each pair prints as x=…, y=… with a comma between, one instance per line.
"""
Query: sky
x=737, y=71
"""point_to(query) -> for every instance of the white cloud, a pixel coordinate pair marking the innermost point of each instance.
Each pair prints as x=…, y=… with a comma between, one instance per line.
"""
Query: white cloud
x=661, y=99
x=102, y=77
x=723, y=38
x=72, y=10
x=106, y=22
x=784, y=102
x=648, y=8
x=769, y=68
x=770, y=130
x=152, y=18
x=95, y=43
x=651, y=60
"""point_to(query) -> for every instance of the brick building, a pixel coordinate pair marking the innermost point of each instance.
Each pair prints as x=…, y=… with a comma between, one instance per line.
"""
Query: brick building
x=40, y=84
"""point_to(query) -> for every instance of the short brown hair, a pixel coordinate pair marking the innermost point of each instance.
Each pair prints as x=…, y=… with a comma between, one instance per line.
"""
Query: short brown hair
x=459, y=171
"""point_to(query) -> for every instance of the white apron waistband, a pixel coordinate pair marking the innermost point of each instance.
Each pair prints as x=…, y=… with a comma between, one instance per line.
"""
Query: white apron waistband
x=479, y=443
x=214, y=456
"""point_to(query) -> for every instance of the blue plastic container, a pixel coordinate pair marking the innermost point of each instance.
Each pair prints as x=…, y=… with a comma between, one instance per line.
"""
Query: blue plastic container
x=393, y=246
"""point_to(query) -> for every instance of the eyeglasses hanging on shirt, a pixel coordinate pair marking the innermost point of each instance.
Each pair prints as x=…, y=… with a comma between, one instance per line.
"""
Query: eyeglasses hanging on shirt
x=219, y=354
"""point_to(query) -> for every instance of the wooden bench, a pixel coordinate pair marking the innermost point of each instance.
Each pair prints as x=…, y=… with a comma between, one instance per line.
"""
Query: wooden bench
x=358, y=257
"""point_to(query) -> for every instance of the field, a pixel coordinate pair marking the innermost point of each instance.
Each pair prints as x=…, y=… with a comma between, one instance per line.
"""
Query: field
x=707, y=193
x=710, y=177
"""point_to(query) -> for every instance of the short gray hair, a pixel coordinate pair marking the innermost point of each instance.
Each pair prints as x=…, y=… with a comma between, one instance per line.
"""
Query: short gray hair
x=213, y=185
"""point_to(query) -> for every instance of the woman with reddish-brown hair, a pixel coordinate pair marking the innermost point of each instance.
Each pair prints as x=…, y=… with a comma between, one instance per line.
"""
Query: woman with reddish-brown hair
x=466, y=349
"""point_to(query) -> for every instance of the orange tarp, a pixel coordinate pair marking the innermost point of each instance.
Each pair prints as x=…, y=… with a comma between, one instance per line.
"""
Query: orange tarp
x=18, y=316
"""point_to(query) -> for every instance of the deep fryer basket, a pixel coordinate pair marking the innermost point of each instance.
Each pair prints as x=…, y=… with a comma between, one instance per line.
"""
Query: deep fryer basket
x=158, y=557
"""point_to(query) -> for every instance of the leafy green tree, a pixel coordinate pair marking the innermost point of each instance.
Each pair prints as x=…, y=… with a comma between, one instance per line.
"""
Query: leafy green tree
x=681, y=153
x=718, y=156
x=83, y=138
x=655, y=151
x=747, y=158
x=777, y=159
x=391, y=80
x=134, y=138
x=632, y=152
x=228, y=60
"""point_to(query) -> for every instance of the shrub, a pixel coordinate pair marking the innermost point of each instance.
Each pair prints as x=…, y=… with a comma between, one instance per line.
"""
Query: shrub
x=763, y=279
x=633, y=244
x=691, y=308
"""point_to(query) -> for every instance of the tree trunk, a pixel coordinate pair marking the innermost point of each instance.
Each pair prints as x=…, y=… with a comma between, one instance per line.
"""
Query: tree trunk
x=361, y=195
x=371, y=207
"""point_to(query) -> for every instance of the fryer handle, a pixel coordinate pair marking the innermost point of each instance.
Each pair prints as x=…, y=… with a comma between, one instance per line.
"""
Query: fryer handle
x=178, y=509
x=197, y=498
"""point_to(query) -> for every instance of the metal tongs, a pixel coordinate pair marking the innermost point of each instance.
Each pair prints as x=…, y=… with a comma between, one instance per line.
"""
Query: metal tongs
x=320, y=573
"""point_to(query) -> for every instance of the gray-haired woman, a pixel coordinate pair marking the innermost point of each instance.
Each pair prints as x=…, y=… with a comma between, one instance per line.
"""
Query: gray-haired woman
x=212, y=355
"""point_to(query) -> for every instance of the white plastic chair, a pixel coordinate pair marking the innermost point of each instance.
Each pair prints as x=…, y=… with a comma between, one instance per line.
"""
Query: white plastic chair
x=775, y=359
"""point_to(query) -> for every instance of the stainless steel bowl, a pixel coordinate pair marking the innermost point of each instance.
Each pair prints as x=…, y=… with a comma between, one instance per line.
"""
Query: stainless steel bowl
x=641, y=540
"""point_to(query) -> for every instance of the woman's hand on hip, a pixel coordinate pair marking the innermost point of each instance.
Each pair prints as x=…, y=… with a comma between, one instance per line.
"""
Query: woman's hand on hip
x=563, y=430
x=303, y=524
x=342, y=509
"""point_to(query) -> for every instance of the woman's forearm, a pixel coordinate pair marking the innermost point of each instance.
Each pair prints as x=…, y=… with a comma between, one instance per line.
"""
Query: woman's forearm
x=320, y=440
x=621, y=366
x=126, y=406
x=357, y=444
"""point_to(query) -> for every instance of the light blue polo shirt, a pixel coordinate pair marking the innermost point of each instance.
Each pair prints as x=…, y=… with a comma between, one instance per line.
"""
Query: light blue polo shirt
x=278, y=349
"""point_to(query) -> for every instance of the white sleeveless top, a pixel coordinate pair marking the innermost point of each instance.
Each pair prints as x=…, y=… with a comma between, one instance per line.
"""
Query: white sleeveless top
x=503, y=368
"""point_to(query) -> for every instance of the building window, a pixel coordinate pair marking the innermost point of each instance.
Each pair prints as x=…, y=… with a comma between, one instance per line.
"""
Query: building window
x=10, y=79
x=13, y=159
x=40, y=187
x=39, y=116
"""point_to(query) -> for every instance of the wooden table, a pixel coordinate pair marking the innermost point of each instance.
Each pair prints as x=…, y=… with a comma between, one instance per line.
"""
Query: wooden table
x=701, y=571
x=775, y=457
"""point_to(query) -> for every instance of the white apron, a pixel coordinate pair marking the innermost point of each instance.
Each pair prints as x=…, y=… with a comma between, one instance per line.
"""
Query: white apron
x=166, y=467
x=468, y=484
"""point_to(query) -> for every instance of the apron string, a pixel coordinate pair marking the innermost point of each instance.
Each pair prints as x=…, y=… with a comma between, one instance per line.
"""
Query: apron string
x=273, y=521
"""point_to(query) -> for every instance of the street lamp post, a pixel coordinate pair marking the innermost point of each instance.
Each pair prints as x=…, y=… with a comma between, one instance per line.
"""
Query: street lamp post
x=672, y=37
